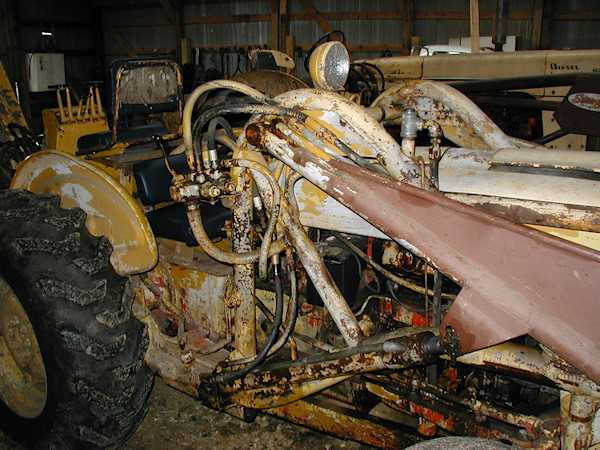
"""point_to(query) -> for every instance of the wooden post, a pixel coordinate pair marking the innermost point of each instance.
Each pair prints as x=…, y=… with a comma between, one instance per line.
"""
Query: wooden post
x=284, y=24
x=474, y=15
x=537, y=18
x=408, y=14
x=275, y=25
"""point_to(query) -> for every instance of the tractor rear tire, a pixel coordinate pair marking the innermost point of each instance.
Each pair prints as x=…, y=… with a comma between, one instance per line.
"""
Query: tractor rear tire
x=80, y=310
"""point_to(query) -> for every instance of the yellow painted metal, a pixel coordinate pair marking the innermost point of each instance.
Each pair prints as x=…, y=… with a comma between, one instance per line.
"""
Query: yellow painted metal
x=334, y=420
x=10, y=111
x=23, y=382
x=63, y=136
x=270, y=397
x=489, y=65
x=63, y=126
x=111, y=211
x=585, y=238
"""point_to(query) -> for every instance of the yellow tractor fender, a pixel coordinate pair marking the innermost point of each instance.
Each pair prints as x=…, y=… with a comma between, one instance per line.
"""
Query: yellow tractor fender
x=111, y=211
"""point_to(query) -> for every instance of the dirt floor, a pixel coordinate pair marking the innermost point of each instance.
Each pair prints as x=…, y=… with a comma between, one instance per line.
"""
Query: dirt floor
x=177, y=422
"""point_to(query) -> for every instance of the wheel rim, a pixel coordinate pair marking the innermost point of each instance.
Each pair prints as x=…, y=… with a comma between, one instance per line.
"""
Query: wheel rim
x=23, y=382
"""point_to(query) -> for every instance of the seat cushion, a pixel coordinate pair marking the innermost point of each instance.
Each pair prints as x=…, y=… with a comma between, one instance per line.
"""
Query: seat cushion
x=96, y=142
x=153, y=179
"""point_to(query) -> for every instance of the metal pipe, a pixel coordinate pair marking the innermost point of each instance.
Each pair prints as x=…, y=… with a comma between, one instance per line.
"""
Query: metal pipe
x=206, y=244
x=228, y=377
x=292, y=315
x=324, y=284
x=551, y=137
x=275, y=207
x=313, y=264
x=500, y=25
x=391, y=354
x=243, y=275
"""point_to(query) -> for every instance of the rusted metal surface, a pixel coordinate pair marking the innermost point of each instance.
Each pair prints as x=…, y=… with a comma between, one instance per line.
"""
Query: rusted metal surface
x=535, y=363
x=392, y=354
x=503, y=295
x=175, y=356
x=462, y=121
x=564, y=160
x=439, y=410
x=314, y=266
x=345, y=424
x=559, y=215
x=23, y=382
x=276, y=396
x=576, y=423
x=358, y=130
x=243, y=276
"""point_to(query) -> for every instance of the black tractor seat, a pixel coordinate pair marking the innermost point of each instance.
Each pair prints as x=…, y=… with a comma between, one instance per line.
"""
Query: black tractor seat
x=153, y=180
x=96, y=142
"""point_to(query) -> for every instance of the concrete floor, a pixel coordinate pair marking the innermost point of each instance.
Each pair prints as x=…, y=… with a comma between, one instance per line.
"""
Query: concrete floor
x=177, y=422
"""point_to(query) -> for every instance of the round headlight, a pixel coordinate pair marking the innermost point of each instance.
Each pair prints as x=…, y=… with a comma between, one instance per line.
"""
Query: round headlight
x=329, y=66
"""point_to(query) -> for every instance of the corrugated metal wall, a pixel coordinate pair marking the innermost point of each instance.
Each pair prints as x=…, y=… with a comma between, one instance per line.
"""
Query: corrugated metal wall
x=147, y=30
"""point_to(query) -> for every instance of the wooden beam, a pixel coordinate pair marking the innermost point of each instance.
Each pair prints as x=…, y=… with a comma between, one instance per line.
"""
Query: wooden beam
x=343, y=15
x=537, y=18
x=579, y=15
x=134, y=52
x=398, y=14
x=460, y=15
x=474, y=16
x=202, y=20
x=315, y=15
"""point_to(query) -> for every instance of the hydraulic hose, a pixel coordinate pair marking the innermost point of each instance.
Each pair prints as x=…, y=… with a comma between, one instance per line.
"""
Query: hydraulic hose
x=212, y=131
x=290, y=325
x=267, y=248
x=264, y=352
x=224, y=256
x=206, y=87
x=248, y=108
x=382, y=270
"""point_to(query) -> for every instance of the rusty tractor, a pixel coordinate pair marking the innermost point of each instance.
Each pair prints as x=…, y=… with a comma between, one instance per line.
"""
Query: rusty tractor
x=307, y=257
